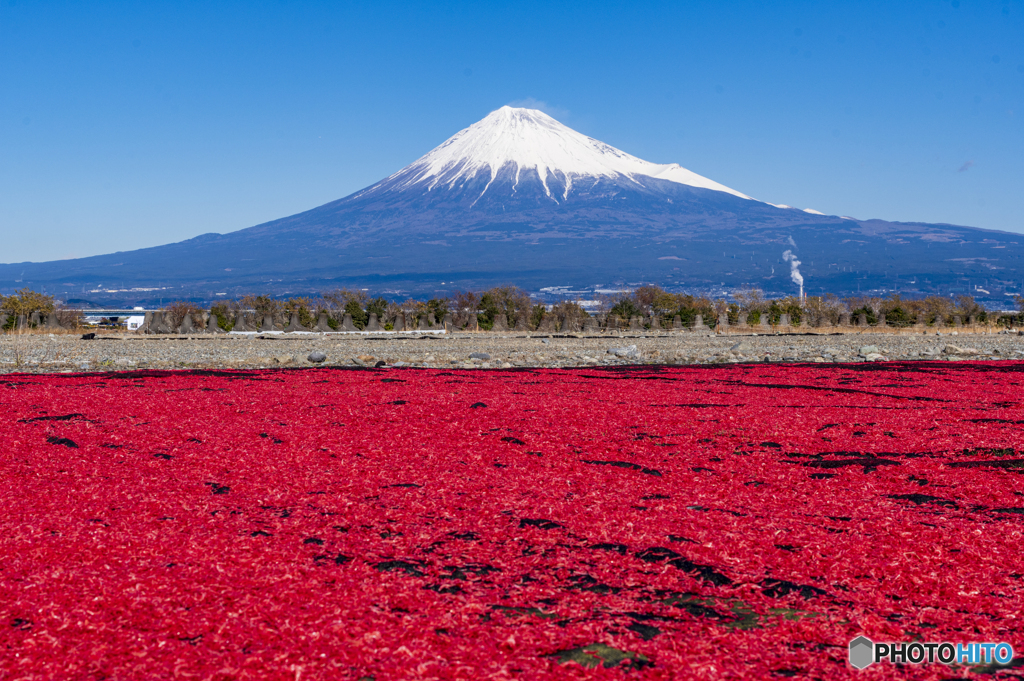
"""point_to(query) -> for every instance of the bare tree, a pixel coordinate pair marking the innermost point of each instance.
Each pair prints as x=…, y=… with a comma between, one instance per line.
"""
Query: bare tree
x=176, y=312
x=823, y=310
x=750, y=300
x=261, y=307
x=67, y=318
x=966, y=305
x=338, y=299
x=872, y=303
x=464, y=304
x=721, y=307
x=570, y=314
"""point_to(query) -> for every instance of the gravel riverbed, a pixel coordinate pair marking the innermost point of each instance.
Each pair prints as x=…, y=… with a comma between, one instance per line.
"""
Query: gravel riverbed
x=114, y=351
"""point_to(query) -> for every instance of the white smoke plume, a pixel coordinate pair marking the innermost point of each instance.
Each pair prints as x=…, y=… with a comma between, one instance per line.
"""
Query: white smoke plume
x=794, y=268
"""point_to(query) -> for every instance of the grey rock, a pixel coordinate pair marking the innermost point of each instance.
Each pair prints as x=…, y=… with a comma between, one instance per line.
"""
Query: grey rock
x=868, y=350
x=629, y=352
x=316, y=357
x=479, y=355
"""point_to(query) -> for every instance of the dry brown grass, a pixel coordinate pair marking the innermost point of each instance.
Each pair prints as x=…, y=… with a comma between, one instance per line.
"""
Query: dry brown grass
x=43, y=331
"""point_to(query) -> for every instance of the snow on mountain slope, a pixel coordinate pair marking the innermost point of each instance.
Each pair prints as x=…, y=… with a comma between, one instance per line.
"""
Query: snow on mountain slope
x=517, y=140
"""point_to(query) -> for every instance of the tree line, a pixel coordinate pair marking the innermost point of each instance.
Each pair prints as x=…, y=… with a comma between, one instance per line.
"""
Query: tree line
x=26, y=308
x=513, y=308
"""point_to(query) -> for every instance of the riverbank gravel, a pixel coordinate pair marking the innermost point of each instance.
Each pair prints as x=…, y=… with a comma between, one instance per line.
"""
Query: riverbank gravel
x=113, y=351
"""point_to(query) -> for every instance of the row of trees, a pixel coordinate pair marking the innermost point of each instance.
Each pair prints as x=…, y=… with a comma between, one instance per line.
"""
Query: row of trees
x=335, y=303
x=509, y=302
x=511, y=307
x=26, y=301
x=826, y=310
x=26, y=304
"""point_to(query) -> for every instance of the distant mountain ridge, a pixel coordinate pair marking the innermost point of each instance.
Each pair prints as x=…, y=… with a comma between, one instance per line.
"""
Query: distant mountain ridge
x=518, y=197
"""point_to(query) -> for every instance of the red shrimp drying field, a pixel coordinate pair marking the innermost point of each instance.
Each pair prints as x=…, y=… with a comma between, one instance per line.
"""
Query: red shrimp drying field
x=641, y=523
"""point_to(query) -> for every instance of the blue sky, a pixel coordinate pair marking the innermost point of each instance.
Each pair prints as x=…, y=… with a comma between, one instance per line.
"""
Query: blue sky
x=125, y=125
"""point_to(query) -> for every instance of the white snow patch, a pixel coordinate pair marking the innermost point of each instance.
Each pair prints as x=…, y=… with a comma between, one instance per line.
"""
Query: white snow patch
x=812, y=211
x=530, y=139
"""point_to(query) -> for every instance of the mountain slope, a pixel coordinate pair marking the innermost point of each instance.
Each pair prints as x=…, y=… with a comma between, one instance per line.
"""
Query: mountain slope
x=519, y=197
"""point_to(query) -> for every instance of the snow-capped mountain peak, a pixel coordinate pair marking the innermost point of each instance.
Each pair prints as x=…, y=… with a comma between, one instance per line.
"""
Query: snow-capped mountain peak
x=520, y=140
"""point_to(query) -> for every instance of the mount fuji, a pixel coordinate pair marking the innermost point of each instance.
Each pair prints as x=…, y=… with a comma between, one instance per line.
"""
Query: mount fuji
x=520, y=198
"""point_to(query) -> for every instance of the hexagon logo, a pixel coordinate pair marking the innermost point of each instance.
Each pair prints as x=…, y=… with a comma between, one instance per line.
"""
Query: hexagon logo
x=862, y=652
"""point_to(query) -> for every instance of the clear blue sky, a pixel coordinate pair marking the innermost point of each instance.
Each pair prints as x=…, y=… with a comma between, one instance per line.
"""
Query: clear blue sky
x=124, y=125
